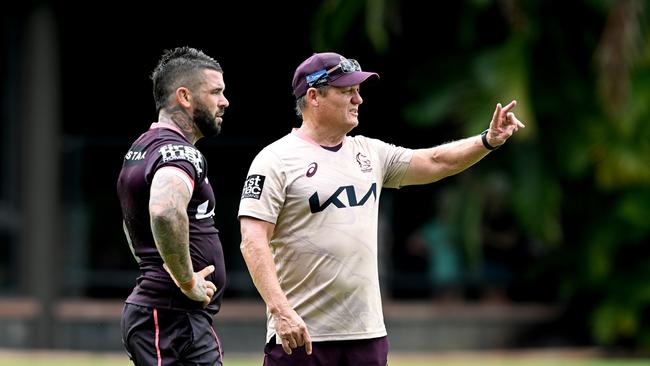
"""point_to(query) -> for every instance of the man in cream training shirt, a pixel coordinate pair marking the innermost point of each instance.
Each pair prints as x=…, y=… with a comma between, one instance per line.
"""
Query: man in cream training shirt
x=309, y=215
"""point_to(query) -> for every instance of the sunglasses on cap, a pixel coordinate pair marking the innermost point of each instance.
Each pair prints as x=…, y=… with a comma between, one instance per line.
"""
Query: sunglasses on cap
x=319, y=78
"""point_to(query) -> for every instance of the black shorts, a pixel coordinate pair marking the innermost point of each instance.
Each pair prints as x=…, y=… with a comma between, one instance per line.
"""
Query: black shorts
x=160, y=337
x=367, y=352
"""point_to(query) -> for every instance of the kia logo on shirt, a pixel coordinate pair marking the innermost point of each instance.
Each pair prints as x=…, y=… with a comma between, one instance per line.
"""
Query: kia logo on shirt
x=315, y=206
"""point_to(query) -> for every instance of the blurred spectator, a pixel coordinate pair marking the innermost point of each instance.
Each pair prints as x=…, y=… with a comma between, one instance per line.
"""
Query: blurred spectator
x=436, y=241
x=505, y=250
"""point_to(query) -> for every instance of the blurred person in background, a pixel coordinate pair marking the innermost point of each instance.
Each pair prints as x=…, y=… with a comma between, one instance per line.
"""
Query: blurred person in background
x=308, y=216
x=506, y=253
x=168, y=208
x=437, y=243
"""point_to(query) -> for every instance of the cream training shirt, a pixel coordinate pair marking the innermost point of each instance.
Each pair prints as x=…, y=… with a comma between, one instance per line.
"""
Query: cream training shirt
x=324, y=205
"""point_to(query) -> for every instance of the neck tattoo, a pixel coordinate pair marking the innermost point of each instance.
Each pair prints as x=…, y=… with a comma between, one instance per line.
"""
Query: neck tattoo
x=184, y=123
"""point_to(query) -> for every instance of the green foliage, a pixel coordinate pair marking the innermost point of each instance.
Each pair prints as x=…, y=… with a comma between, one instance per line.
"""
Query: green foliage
x=580, y=171
x=334, y=21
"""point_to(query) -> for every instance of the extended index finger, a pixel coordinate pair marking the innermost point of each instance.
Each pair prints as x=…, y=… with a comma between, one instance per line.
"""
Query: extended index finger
x=495, y=116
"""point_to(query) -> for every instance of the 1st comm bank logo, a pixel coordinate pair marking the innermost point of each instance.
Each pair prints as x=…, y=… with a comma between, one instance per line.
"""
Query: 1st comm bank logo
x=253, y=186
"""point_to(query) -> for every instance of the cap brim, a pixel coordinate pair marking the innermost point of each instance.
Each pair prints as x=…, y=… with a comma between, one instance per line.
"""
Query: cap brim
x=351, y=78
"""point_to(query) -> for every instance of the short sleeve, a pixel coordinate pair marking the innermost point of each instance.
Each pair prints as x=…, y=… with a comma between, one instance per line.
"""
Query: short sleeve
x=395, y=161
x=184, y=157
x=264, y=189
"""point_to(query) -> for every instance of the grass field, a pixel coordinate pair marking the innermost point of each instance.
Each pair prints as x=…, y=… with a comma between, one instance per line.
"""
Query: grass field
x=535, y=358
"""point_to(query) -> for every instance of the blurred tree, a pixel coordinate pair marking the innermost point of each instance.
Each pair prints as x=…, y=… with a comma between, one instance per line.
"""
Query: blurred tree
x=581, y=168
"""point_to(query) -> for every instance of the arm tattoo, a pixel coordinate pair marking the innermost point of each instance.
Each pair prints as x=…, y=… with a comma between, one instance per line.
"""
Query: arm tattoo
x=170, y=224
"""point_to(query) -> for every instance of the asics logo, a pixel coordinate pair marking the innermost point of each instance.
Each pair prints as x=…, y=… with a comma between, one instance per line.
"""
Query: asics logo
x=311, y=170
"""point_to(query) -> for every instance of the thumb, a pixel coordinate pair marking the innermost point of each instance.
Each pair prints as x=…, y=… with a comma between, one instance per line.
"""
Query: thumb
x=206, y=271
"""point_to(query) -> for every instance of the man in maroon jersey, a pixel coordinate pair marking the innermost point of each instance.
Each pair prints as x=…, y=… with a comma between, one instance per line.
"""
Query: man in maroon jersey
x=168, y=208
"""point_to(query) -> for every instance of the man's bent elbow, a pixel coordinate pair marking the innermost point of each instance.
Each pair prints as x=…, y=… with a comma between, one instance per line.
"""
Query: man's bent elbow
x=160, y=214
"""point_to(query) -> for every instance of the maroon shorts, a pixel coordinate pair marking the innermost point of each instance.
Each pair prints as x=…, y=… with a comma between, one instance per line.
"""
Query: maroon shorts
x=366, y=352
x=167, y=337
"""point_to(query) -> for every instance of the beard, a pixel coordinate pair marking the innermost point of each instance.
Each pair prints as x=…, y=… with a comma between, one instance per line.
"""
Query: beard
x=205, y=121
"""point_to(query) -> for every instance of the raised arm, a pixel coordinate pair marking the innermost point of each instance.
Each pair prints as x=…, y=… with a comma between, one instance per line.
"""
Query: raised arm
x=170, y=195
x=430, y=165
x=289, y=326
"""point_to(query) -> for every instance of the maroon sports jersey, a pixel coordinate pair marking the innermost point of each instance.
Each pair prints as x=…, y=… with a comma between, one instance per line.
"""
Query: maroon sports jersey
x=159, y=147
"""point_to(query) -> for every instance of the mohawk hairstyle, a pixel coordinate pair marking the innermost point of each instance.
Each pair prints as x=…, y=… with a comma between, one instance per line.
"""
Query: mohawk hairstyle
x=179, y=67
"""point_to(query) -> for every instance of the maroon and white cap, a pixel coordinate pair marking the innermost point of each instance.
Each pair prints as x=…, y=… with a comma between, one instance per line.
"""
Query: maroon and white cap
x=327, y=68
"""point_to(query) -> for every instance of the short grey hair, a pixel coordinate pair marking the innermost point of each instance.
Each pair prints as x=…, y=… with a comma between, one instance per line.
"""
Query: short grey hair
x=301, y=102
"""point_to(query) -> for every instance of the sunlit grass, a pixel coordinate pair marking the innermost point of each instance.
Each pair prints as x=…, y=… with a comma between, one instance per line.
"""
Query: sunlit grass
x=27, y=358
